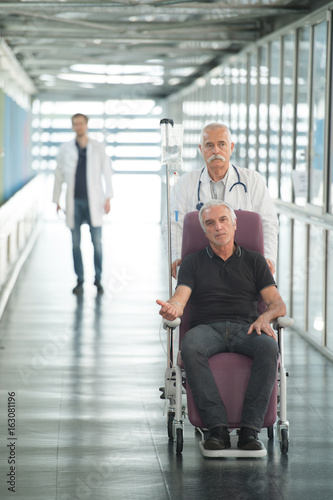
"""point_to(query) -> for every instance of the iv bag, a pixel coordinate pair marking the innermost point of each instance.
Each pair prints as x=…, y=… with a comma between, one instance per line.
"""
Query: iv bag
x=172, y=145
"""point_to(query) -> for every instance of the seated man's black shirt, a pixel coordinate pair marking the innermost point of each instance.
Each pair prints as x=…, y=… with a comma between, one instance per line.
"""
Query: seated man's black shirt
x=224, y=290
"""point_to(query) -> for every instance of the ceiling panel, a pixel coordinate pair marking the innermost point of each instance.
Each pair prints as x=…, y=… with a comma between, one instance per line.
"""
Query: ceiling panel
x=102, y=49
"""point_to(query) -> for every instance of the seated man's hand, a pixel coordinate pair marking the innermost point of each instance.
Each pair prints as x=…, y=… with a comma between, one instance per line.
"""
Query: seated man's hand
x=168, y=311
x=261, y=325
x=174, y=266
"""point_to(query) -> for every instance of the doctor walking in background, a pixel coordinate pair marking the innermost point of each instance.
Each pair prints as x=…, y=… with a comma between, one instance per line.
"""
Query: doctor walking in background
x=242, y=188
x=85, y=169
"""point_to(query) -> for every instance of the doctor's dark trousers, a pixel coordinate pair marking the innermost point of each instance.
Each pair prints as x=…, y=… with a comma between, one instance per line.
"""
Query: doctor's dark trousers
x=82, y=215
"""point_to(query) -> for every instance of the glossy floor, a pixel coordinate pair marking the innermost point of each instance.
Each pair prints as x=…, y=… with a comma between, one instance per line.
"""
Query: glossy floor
x=89, y=423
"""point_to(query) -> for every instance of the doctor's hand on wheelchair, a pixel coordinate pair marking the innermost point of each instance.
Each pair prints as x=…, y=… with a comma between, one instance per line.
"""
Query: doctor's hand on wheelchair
x=174, y=267
x=271, y=266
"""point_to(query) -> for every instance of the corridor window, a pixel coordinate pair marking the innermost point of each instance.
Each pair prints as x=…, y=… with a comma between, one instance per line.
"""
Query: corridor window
x=132, y=141
x=234, y=108
x=329, y=299
x=299, y=274
x=284, y=259
x=263, y=112
x=252, y=136
x=287, y=130
x=135, y=165
x=274, y=117
x=225, y=92
x=142, y=191
x=318, y=115
x=242, y=115
x=300, y=174
x=316, y=289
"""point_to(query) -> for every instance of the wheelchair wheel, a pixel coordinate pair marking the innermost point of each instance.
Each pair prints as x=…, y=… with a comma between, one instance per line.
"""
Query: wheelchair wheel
x=179, y=440
x=270, y=432
x=284, y=444
x=171, y=416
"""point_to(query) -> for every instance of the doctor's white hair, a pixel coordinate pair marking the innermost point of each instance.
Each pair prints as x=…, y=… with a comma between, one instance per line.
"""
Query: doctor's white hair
x=216, y=203
x=212, y=126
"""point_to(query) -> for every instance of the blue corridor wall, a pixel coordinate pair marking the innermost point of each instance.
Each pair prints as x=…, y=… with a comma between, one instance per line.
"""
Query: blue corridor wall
x=15, y=165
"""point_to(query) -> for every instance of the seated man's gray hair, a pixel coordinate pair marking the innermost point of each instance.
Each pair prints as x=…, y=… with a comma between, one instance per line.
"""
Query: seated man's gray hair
x=216, y=203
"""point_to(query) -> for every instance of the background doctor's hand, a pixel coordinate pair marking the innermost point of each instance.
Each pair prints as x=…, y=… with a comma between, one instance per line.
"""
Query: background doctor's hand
x=107, y=206
x=174, y=266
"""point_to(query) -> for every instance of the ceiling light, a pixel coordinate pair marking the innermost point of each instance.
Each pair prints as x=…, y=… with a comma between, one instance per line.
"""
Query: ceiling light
x=182, y=71
x=155, y=61
x=47, y=78
x=201, y=82
x=112, y=79
x=117, y=69
x=87, y=86
x=174, y=81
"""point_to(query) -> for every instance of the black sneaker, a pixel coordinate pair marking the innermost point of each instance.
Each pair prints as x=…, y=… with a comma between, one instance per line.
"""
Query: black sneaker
x=78, y=289
x=99, y=287
x=218, y=439
x=248, y=439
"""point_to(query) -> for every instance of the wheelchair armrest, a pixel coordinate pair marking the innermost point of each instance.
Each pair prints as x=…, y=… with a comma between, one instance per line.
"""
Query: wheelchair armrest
x=283, y=322
x=171, y=324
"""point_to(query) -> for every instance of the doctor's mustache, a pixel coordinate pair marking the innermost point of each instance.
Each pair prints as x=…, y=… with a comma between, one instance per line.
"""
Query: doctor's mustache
x=216, y=157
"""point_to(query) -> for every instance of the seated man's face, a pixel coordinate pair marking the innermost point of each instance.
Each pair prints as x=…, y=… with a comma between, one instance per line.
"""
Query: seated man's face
x=219, y=228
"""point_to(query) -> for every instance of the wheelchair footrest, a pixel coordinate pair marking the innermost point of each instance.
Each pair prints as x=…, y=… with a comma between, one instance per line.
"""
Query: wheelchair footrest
x=232, y=452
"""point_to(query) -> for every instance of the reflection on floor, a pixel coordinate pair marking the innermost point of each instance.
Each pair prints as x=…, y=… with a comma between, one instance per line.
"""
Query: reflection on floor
x=89, y=423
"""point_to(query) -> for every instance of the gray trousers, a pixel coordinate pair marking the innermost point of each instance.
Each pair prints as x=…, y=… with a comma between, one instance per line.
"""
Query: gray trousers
x=202, y=342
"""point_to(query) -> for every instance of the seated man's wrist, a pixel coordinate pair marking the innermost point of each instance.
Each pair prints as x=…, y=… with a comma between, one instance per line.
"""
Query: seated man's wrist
x=175, y=303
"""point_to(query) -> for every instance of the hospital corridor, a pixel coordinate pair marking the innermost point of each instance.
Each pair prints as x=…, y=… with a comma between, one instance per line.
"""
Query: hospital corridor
x=118, y=122
x=85, y=373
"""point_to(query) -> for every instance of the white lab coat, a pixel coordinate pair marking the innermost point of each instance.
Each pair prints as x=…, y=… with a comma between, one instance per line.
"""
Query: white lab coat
x=184, y=198
x=99, y=183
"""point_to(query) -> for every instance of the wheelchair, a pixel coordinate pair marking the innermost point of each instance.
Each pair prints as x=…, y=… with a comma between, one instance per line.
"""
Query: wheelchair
x=231, y=371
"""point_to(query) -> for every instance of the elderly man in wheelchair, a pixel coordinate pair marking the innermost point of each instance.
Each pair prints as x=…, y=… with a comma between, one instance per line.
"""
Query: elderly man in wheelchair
x=223, y=284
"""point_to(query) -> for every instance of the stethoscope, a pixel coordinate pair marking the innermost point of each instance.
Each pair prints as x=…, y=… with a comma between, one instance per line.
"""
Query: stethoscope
x=200, y=204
